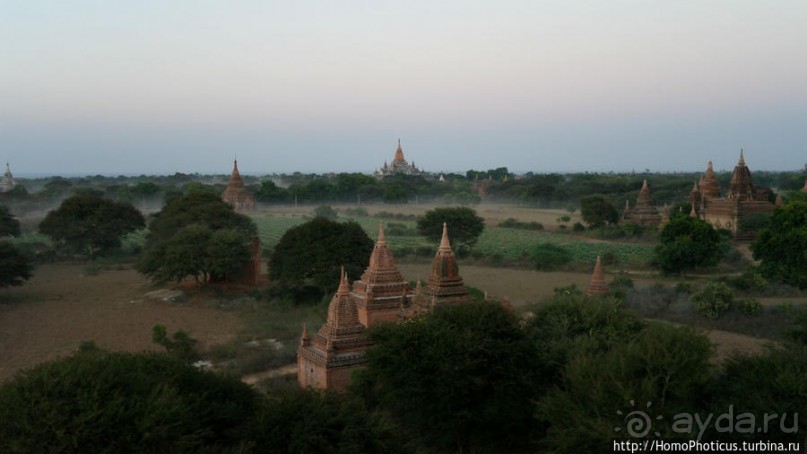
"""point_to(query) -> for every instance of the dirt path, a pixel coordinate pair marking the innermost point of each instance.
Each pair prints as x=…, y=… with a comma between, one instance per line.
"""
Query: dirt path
x=61, y=306
x=251, y=379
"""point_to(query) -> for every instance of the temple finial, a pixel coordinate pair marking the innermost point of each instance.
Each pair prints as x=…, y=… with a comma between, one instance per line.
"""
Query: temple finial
x=381, y=231
x=444, y=243
x=344, y=287
x=742, y=158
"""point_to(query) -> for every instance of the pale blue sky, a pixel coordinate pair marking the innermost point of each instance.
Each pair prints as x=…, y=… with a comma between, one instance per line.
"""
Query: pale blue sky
x=563, y=85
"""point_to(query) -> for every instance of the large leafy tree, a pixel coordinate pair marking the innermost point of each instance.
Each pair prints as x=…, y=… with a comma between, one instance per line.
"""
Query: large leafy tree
x=9, y=226
x=782, y=246
x=123, y=402
x=686, y=243
x=310, y=255
x=458, y=377
x=464, y=226
x=88, y=222
x=14, y=266
x=597, y=211
x=196, y=235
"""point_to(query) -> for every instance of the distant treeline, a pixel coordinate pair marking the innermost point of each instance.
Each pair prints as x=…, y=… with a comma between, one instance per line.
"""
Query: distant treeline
x=553, y=190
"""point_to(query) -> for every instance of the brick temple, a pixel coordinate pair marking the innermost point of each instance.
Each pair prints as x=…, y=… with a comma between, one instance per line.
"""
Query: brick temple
x=727, y=211
x=645, y=211
x=237, y=195
x=381, y=295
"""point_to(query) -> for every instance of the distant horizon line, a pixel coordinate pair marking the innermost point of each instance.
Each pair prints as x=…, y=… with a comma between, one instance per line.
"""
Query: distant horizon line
x=37, y=175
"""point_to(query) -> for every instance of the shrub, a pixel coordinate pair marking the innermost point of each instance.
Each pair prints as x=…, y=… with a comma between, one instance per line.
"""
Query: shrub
x=714, y=299
x=750, y=307
x=358, y=211
x=549, y=256
x=578, y=227
x=325, y=211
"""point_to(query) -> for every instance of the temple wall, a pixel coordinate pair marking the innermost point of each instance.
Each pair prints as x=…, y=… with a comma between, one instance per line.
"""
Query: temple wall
x=311, y=374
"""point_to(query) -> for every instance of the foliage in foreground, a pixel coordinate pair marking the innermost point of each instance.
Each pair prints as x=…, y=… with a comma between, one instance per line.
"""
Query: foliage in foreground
x=458, y=378
x=117, y=402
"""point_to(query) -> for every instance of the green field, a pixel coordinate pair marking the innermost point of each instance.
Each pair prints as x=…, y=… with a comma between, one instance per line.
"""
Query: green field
x=508, y=243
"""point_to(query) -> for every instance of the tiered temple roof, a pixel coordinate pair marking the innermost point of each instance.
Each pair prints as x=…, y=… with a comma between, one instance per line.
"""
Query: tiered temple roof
x=398, y=165
x=708, y=184
x=644, y=212
x=444, y=285
x=380, y=290
x=340, y=344
x=742, y=199
x=237, y=195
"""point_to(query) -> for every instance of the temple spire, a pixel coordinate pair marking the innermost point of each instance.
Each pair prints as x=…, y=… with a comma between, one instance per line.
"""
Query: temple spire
x=742, y=159
x=444, y=243
x=381, y=232
x=344, y=286
x=597, y=286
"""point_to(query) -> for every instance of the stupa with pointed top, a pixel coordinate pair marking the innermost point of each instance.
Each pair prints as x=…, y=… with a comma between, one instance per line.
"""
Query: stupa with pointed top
x=326, y=358
x=597, y=286
x=644, y=212
x=742, y=199
x=237, y=195
x=8, y=180
x=381, y=288
x=399, y=166
x=444, y=285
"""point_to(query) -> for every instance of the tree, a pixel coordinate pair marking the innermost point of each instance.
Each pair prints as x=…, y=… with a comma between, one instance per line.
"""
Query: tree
x=309, y=255
x=464, y=226
x=269, y=192
x=686, y=243
x=14, y=267
x=91, y=223
x=782, y=246
x=123, y=402
x=196, y=235
x=664, y=365
x=9, y=226
x=457, y=378
x=597, y=211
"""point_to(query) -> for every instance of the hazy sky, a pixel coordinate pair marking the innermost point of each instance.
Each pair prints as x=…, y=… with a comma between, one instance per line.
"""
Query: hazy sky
x=161, y=86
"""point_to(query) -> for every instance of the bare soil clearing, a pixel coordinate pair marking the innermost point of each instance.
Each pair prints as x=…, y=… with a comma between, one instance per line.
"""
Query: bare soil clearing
x=62, y=306
x=519, y=286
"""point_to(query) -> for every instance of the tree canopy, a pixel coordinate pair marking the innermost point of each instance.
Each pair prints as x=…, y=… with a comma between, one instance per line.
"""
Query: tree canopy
x=464, y=226
x=122, y=402
x=597, y=211
x=9, y=226
x=14, y=266
x=458, y=377
x=782, y=246
x=196, y=235
x=91, y=223
x=686, y=243
x=311, y=254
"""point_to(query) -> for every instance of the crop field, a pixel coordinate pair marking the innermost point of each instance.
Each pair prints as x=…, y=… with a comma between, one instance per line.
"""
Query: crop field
x=507, y=243
x=513, y=243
